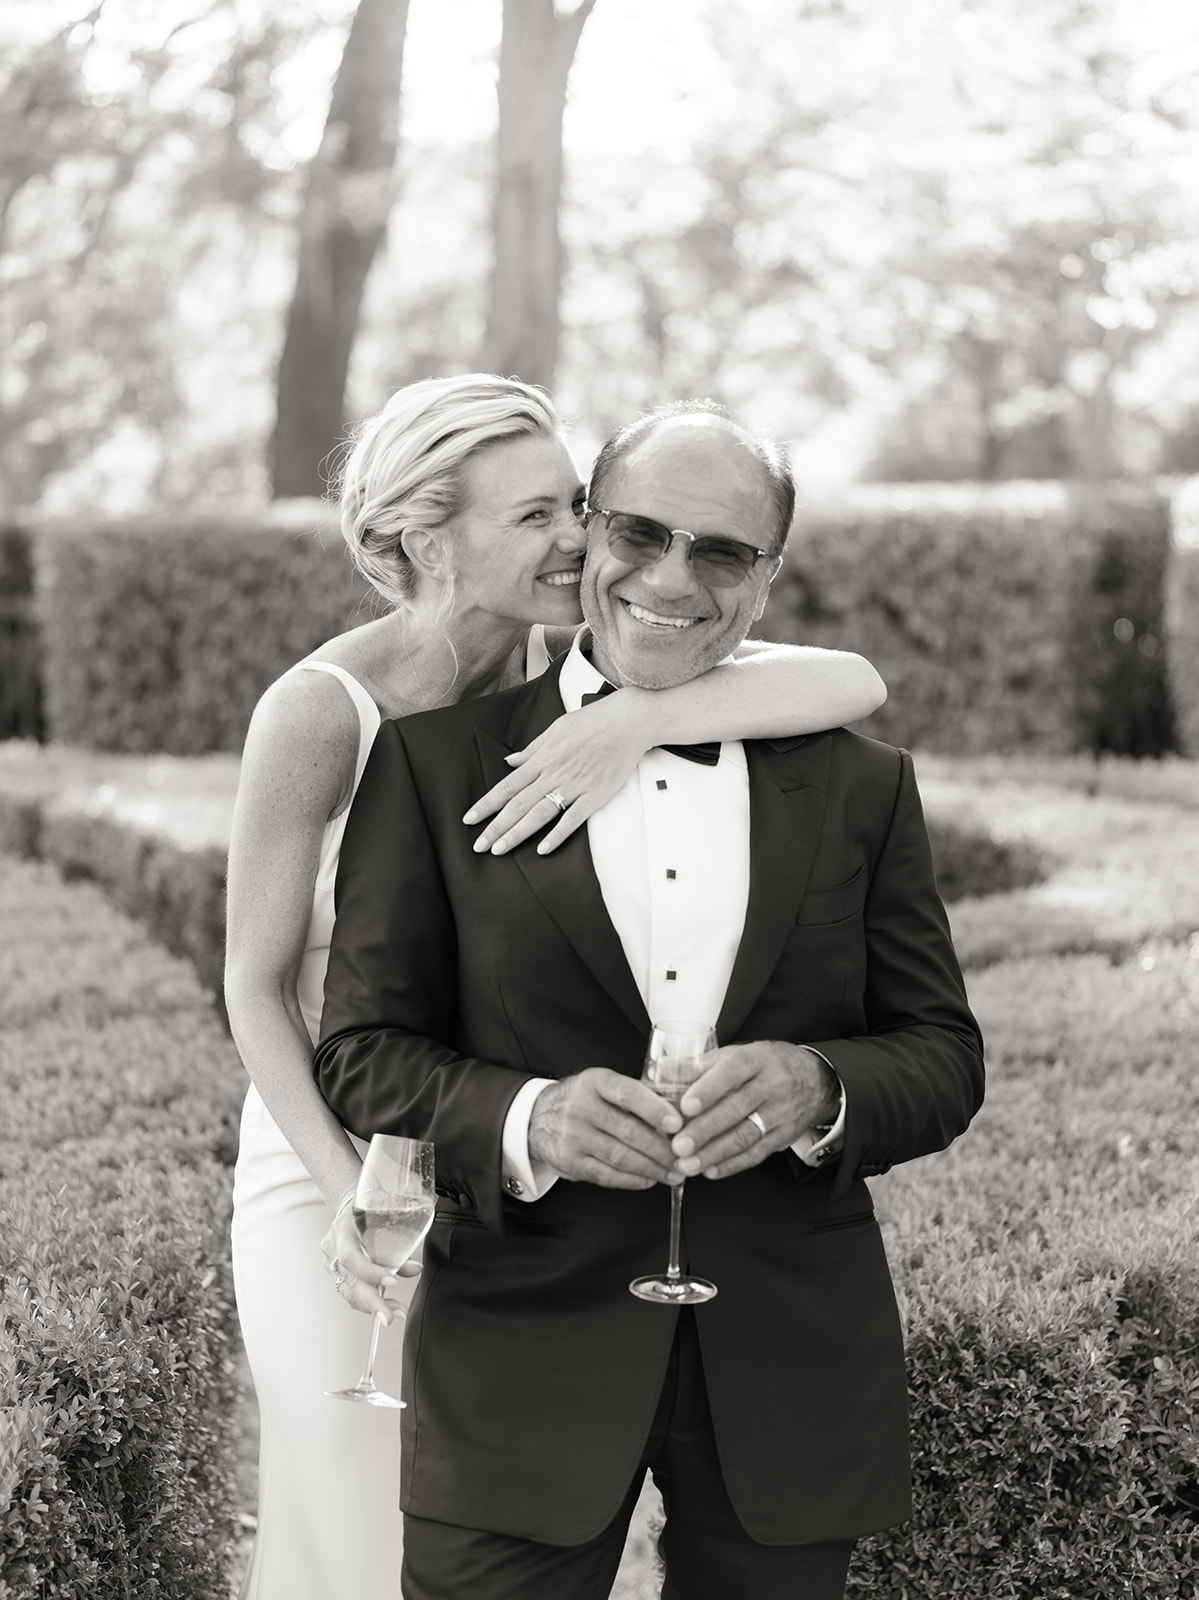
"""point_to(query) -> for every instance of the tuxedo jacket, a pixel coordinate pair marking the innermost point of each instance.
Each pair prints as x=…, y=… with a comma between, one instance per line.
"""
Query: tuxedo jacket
x=531, y=1372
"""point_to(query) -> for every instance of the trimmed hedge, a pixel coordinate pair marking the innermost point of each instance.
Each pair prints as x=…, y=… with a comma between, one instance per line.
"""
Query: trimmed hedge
x=1053, y=1398
x=971, y=861
x=117, y=1331
x=161, y=636
x=1003, y=616
x=1048, y=1270
x=176, y=892
x=1047, y=1264
x=1120, y=846
x=179, y=894
x=1015, y=616
x=1182, y=615
x=20, y=680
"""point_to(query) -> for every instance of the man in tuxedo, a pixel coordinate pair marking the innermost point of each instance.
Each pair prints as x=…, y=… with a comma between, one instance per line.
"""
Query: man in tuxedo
x=500, y=1007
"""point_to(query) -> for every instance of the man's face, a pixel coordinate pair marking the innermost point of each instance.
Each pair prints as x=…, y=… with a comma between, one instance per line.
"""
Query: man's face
x=658, y=626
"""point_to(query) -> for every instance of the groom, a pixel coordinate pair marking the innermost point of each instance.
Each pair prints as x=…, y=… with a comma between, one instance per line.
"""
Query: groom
x=500, y=1007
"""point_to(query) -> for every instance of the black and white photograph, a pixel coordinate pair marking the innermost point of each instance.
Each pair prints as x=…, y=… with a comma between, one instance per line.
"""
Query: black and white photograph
x=599, y=800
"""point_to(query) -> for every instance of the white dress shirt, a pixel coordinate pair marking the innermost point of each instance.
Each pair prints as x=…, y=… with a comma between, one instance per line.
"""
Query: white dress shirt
x=671, y=852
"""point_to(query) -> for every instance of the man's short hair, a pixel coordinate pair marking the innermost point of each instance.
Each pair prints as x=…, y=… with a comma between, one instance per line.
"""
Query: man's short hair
x=771, y=456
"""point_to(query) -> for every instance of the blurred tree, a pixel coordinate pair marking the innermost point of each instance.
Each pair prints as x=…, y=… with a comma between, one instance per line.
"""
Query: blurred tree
x=143, y=173
x=346, y=207
x=948, y=239
x=1040, y=258
x=537, y=47
x=64, y=168
x=945, y=262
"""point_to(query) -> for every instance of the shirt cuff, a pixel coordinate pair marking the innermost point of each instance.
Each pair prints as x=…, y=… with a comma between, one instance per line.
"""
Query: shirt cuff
x=817, y=1145
x=524, y=1178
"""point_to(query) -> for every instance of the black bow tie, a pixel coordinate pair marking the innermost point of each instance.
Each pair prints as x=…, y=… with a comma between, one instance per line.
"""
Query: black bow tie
x=706, y=754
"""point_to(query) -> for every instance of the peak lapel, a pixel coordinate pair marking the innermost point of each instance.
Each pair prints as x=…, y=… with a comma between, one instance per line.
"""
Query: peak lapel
x=564, y=881
x=788, y=790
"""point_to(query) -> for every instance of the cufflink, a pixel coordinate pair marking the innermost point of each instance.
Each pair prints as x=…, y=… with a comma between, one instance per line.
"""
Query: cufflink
x=514, y=1187
x=822, y=1155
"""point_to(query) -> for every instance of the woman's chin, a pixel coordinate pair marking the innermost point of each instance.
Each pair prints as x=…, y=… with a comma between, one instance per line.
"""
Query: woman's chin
x=560, y=608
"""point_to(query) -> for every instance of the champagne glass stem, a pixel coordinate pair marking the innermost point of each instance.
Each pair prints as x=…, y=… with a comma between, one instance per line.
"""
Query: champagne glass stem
x=676, y=1222
x=367, y=1380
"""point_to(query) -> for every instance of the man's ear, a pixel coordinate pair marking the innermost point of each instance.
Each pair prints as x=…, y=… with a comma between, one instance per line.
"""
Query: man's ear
x=427, y=552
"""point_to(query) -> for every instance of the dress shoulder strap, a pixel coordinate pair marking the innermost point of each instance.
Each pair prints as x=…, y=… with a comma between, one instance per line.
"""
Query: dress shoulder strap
x=369, y=716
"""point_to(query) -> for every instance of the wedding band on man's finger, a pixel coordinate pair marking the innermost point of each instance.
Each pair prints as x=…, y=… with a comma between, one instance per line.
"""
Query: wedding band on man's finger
x=758, y=1123
x=557, y=799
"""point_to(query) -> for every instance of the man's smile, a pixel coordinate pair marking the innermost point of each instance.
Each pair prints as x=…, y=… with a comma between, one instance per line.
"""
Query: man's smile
x=656, y=619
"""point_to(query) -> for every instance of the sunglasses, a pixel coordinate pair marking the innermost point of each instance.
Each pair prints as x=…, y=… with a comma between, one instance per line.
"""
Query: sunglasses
x=716, y=561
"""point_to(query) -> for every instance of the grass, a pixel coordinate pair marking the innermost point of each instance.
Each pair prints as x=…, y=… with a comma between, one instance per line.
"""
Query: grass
x=1086, y=984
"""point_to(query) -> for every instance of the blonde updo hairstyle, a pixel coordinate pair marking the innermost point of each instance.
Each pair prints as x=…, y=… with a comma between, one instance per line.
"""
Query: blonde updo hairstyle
x=403, y=471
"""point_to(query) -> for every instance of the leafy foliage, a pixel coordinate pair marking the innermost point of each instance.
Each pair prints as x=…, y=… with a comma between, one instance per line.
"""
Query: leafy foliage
x=973, y=861
x=970, y=261
x=161, y=635
x=139, y=158
x=1003, y=617
x=1046, y=1264
x=954, y=263
x=1182, y=615
x=20, y=683
x=1053, y=1452
x=115, y=1356
x=1046, y=1267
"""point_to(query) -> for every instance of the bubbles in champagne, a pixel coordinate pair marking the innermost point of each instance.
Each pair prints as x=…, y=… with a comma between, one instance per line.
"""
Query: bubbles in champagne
x=390, y=1234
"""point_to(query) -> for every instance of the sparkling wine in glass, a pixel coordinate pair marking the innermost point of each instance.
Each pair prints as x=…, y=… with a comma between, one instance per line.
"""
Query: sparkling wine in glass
x=393, y=1208
x=675, y=1059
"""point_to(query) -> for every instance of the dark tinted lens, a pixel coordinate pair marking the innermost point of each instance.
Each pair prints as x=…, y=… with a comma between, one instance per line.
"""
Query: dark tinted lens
x=716, y=561
x=636, y=538
x=721, y=561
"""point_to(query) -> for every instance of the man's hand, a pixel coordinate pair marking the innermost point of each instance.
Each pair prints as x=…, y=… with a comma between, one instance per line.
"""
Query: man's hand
x=601, y=1127
x=789, y=1087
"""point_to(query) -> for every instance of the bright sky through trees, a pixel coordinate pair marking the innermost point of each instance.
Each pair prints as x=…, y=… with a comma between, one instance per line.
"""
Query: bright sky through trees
x=926, y=237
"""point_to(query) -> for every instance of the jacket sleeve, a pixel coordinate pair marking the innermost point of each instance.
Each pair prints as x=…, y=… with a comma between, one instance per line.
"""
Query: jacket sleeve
x=387, y=1060
x=915, y=1079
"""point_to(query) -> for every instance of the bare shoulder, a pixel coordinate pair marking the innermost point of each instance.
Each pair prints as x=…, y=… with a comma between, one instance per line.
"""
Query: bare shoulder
x=301, y=749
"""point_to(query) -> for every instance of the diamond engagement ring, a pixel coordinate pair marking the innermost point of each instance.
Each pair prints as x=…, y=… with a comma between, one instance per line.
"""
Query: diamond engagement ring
x=557, y=799
x=757, y=1122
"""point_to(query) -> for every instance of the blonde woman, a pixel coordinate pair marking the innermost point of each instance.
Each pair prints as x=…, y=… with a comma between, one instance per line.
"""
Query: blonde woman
x=463, y=508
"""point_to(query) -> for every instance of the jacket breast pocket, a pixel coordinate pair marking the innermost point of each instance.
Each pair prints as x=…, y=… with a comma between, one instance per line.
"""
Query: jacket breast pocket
x=823, y=907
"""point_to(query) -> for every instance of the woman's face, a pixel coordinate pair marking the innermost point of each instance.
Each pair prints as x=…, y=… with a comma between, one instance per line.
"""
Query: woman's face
x=517, y=547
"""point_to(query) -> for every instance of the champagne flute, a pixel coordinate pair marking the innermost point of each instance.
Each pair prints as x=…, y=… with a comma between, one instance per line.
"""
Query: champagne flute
x=675, y=1059
x=393, y=1210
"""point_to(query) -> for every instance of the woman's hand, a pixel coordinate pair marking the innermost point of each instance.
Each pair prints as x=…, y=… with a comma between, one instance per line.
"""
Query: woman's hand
x=361, y=1282
x=582, y=759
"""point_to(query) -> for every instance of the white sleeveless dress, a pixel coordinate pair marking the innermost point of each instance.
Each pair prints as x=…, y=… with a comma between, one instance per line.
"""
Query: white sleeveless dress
x=329, y=1525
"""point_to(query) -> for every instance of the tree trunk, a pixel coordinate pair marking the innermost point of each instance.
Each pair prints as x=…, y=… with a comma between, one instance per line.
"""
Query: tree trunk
x=344, y=220
x=536, y=50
